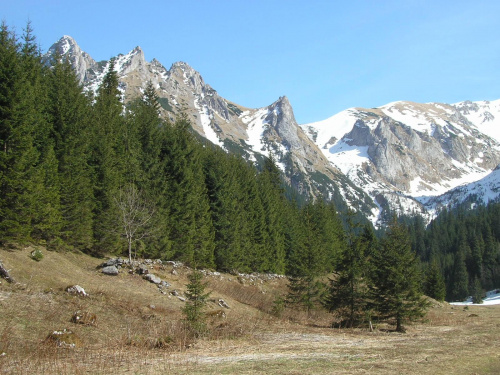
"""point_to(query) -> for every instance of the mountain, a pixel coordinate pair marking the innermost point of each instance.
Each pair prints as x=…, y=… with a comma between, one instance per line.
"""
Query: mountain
x=482, y=191
x=403, y=153
x=392, y=158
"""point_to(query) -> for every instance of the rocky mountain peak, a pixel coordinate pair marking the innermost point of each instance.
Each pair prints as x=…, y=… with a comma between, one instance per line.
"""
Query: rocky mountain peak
x=281, y=118
x=132, y=61
x=67, y=48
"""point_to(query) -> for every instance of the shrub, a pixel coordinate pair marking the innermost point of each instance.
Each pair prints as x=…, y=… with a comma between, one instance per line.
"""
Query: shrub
x=37, y=255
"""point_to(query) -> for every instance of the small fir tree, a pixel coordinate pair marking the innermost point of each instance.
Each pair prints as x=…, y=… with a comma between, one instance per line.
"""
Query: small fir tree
x=197, y=298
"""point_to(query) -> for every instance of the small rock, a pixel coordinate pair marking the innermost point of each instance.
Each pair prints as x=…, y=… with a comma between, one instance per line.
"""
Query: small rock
x=164, y=284
x=76, y=290
x=64, y=339
x=110, y=270
x=174, y=272
x=152, y=278
x=142, y=270
x=223, y=303
x=84, y=317
x=181, y=298
x=174, y=293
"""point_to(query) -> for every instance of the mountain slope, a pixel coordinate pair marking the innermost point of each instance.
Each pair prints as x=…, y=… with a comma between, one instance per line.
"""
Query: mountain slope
x=253, y=133
x=403, y=152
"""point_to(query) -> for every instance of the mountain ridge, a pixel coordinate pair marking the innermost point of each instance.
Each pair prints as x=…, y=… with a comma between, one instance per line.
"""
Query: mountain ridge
x=375, y=160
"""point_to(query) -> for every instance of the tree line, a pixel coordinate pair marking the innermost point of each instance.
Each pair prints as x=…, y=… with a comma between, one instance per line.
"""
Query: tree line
x=462, y=248
x=84, y=171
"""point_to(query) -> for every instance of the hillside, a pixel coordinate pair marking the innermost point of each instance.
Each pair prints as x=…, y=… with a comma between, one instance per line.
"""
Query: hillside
x=139, y=329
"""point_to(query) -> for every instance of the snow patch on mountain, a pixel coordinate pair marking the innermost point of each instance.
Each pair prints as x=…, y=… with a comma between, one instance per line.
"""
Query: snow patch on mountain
x=256, y=125
x=403, y=153
x=484, y=114
x=206, y=122
x=482, y=191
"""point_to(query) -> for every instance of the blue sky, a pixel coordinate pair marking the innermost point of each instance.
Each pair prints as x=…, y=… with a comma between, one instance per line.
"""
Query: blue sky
x=325, y=56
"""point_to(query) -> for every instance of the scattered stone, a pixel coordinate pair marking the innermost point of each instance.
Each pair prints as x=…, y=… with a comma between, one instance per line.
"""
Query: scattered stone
x=216, y=314
x=110, y=270
x=152, y=278
x=152, y=307
x=174, y=272
x=175, y=293
x=4, y=273
x=165, y=284
x=84, y=317
x=223, y=303
x=182, y=298
x=76, y=290
x=142, y=270
x=117, y=262
x=174, y=264
x=64, y=339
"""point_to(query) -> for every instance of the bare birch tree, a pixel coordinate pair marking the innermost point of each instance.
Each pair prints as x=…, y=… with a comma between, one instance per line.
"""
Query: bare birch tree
x=135, y=216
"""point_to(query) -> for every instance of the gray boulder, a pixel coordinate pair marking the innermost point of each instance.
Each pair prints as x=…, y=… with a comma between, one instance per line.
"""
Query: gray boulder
x=110, y=270
x=113, y=262
x=152, y=278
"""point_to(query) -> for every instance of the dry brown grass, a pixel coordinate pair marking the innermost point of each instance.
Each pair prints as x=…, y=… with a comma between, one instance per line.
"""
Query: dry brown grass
x=140, y=331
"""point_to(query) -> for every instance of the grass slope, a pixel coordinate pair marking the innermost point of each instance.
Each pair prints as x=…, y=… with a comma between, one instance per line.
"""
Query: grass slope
x=140, y=331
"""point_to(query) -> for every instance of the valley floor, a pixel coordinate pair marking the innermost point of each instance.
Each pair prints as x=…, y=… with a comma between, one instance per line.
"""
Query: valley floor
x=133, y=317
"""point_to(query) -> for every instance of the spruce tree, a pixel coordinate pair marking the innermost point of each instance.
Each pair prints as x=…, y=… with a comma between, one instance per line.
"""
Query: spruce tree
x=191, y=228
x=272, y=197
x=348, y=289
x=459, y=281
x=434, y=285
x=69, y=111
x=477, y=291
x=307, y=263
x=395, y=286
x=108, y=158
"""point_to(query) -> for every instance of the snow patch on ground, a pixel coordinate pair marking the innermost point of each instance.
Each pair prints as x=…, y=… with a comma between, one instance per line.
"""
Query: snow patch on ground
x=492, y=298
x=256, y=126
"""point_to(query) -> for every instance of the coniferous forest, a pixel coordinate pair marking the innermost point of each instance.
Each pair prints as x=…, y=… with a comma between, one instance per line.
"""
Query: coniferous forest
x=84, y=172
